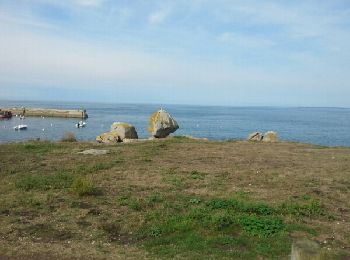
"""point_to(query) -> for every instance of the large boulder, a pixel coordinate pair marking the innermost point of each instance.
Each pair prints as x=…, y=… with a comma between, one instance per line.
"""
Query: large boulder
x=255, y=137
x=162, y=124
x=109, y=138
x=124, y=130
x=270, y=137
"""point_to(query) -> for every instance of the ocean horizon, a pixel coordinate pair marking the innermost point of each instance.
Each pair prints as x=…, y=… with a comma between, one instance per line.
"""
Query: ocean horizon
x=327, y=126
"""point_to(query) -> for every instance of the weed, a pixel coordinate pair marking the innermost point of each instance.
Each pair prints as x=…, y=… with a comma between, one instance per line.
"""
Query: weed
x=197, y=175
x=222, y=222
x=69, y=137
x=123, y=201
x=155, y=198
x=308, y=208
x=195, y=201
x=155, y=232
x=135, y=205
x=84, y=186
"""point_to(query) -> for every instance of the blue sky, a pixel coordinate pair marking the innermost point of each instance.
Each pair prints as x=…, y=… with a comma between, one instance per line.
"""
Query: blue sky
x=209, y=52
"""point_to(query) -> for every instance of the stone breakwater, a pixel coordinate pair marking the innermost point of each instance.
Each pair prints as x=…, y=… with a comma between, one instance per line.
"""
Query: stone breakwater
x=41, y=112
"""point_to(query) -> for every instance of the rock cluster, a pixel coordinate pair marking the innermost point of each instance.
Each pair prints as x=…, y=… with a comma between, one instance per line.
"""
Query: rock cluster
x=160, y=126
x=268, y=137
x=119, y=132
x=124, y=130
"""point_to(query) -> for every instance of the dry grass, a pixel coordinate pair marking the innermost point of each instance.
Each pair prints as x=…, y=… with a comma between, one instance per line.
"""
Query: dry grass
x=49, y=220
x=69, y=137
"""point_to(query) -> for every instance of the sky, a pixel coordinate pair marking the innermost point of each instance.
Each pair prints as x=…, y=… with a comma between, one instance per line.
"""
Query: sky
x=200, y=52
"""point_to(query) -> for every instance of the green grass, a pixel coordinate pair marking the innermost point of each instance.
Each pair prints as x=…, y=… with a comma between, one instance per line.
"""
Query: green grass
x=44, y=182
x=308, y=208
x=40, y=148
x=84, y=186
x=165, y=204
x=231, y=228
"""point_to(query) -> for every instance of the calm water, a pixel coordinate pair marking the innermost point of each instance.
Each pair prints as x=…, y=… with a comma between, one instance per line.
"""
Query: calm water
x=325, y=126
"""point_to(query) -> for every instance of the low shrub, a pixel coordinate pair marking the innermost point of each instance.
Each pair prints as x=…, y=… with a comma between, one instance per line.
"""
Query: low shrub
x=69, y=137
x=84, y=186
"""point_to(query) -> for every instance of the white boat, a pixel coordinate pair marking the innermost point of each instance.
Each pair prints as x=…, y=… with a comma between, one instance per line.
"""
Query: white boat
x=20, y=127
x=80, y=124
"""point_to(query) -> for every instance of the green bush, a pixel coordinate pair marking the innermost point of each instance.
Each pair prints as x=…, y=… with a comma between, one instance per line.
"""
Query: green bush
x=84, y=186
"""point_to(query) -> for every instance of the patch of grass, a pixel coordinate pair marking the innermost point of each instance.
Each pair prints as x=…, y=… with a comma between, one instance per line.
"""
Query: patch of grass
x=188, y=226
x=197, y=175
x=124, y=200
x=84, y=186
x=46, y=233
x=262, y=226
x=306, y=208
x=248, y=207
x=59, y=180
x=180, y=137
x=40, y=148
x=101, y=166
x=155, y=198
x=135, y=205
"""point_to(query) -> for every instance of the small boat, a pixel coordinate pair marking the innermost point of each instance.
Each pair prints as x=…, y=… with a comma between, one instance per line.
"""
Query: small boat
x=80, y=124
x=20, y=127
x=5, y=114
x=21, y=117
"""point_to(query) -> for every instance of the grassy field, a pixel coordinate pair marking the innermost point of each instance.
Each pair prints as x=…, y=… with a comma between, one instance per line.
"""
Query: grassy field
x=174, y=198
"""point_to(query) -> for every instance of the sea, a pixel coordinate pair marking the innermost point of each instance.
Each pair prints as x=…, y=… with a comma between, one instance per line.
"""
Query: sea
x=317, y=125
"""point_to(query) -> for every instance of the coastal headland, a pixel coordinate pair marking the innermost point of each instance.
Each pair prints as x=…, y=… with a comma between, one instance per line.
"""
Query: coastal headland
x=172, y=198
x=45, y=112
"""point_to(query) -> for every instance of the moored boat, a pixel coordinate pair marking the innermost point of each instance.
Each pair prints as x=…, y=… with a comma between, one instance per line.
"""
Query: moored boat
x=20, y=127
x=5, y=114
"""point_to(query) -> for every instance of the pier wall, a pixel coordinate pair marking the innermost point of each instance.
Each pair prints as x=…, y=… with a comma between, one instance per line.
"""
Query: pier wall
x=47, y=112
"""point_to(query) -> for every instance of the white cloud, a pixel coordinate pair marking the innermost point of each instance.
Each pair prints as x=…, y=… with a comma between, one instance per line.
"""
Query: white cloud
x=90, y=2
x=158, y=17
x=242, y=40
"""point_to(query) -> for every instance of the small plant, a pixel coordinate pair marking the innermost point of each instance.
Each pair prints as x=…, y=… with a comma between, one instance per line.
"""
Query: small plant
x=69, y=137
x=84, y=186
x=135, y=205
x=155, y=232
x=155, y=198
x=258, y=208
x=221, y=204
x=197, y=175
x=262, y=226
x=195, y=201
x=223, y=222
x=123, y=201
